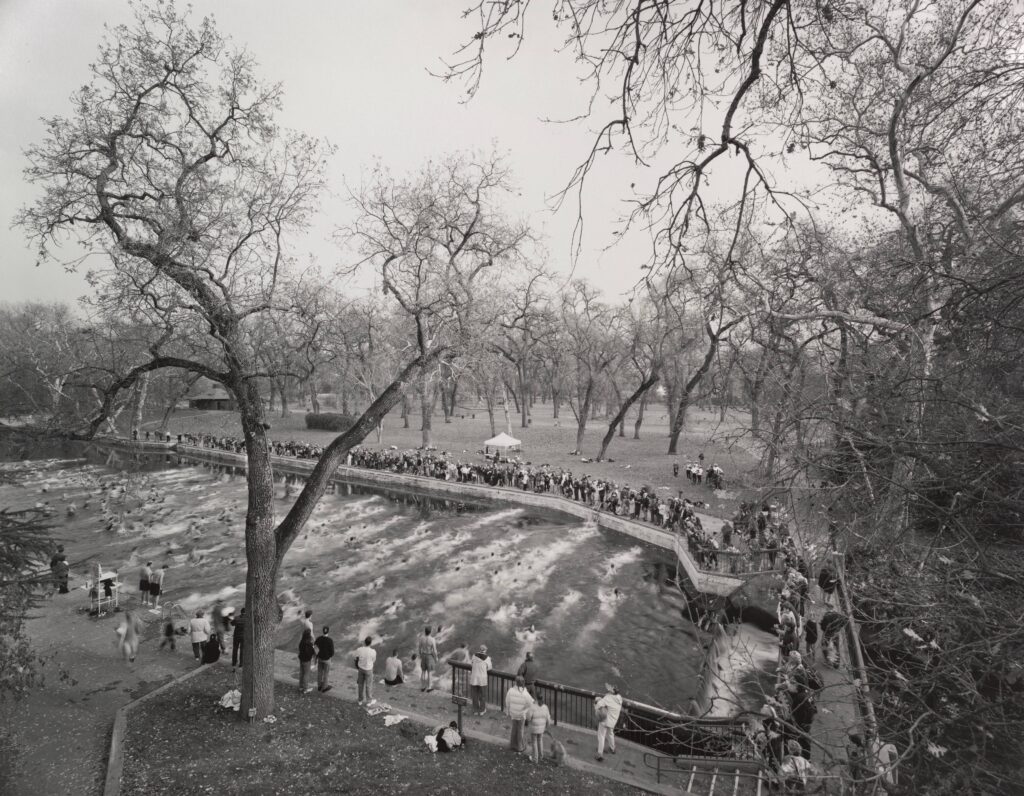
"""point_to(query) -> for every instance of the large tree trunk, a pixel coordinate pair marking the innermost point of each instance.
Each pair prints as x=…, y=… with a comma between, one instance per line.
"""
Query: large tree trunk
x=282, y=389
x=267, y=545
x=261, y=555
x=775, y=442
x=691, y=384
x=555, y=404
x=489, y=402
x=428, y=397
x=314, y=401
x=619, y=418
x=406, y=410
x=504, y=405
x=453, y=397
x=671, y=394
x=510, y=390
x=582, y=414
x=524, y=404
x=639, y=416
x=139, y=405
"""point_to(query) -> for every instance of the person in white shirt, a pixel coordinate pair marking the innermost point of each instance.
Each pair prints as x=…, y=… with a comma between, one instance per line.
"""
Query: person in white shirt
x=199, y=632
x=365, y=658
x=608, y=708
x=517, y=705
x=481, y=665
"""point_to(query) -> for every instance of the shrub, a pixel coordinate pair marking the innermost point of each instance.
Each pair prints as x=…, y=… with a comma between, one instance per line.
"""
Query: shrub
x=329, y=421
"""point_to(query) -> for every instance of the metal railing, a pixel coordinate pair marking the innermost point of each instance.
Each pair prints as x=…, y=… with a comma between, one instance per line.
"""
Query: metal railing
x=724, y=562
x=750, y=771
x=661, y=730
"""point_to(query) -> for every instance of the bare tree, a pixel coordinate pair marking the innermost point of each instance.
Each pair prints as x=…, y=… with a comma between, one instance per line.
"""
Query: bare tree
x=171, y=159
x=585, y=321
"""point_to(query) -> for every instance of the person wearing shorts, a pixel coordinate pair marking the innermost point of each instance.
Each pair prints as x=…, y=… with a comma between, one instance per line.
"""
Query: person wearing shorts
x=144, y=575
x=428, y=659
x=156, y=583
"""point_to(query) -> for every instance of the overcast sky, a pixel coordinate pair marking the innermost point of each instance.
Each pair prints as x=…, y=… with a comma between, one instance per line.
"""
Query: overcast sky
x=354, y=72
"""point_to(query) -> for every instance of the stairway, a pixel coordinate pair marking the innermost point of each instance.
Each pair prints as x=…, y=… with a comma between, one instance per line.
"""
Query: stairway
x=724, y=780
x=704, y=776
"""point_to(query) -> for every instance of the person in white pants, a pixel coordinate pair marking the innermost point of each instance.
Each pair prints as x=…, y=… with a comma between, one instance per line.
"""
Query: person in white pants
x=608, y=708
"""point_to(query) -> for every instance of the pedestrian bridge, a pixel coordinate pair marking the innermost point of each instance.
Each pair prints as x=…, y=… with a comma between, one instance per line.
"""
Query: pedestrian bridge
x=719, y=574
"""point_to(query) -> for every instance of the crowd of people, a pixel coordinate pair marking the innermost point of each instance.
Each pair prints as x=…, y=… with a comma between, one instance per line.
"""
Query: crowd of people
x=753, y=541
x=523, y=703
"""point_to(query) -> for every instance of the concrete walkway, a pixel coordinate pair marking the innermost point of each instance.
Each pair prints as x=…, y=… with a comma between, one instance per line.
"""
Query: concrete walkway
x=838, y=712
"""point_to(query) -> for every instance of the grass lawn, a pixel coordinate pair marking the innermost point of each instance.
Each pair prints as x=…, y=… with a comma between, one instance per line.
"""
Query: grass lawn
x=547, y=441
x=179, y=742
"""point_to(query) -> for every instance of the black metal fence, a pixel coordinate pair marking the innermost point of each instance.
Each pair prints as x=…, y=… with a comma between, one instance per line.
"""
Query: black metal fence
x=666, y=732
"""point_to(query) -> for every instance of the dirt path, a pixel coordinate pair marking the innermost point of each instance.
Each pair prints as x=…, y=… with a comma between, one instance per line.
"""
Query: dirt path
x=63, y=729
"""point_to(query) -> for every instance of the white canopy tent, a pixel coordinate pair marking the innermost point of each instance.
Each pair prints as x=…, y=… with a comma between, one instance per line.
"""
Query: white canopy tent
x=503, y=442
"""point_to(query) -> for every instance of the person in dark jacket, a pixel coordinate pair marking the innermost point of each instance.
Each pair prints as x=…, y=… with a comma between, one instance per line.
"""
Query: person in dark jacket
x=827, y=582
x=528, y=671
x=324, y=652
x=237, y=638
x=810, y=637
x=802, y=716
x=307, y=651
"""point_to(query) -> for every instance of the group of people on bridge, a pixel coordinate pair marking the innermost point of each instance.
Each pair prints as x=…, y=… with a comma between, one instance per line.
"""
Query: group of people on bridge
x=762, y=538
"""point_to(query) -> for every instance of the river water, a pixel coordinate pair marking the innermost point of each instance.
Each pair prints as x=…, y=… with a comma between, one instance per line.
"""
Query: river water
x=593, y=605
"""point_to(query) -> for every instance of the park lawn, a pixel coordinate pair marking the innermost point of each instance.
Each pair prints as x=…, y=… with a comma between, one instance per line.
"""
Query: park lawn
x=180, y=742
x=547, y=441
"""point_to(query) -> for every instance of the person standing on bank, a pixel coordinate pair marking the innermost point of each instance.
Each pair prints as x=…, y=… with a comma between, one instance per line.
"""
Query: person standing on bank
x=528, y=671
x=365, y=659
x=61, y=572
x=237, y=638
x=306, y=654
x=608, y=708
x=428, y=659
x=144, y=575
x=324, y=652
x=199, y=633
x=537, y=719
x=156, y=585
x=480, y=665
x=517, y=704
